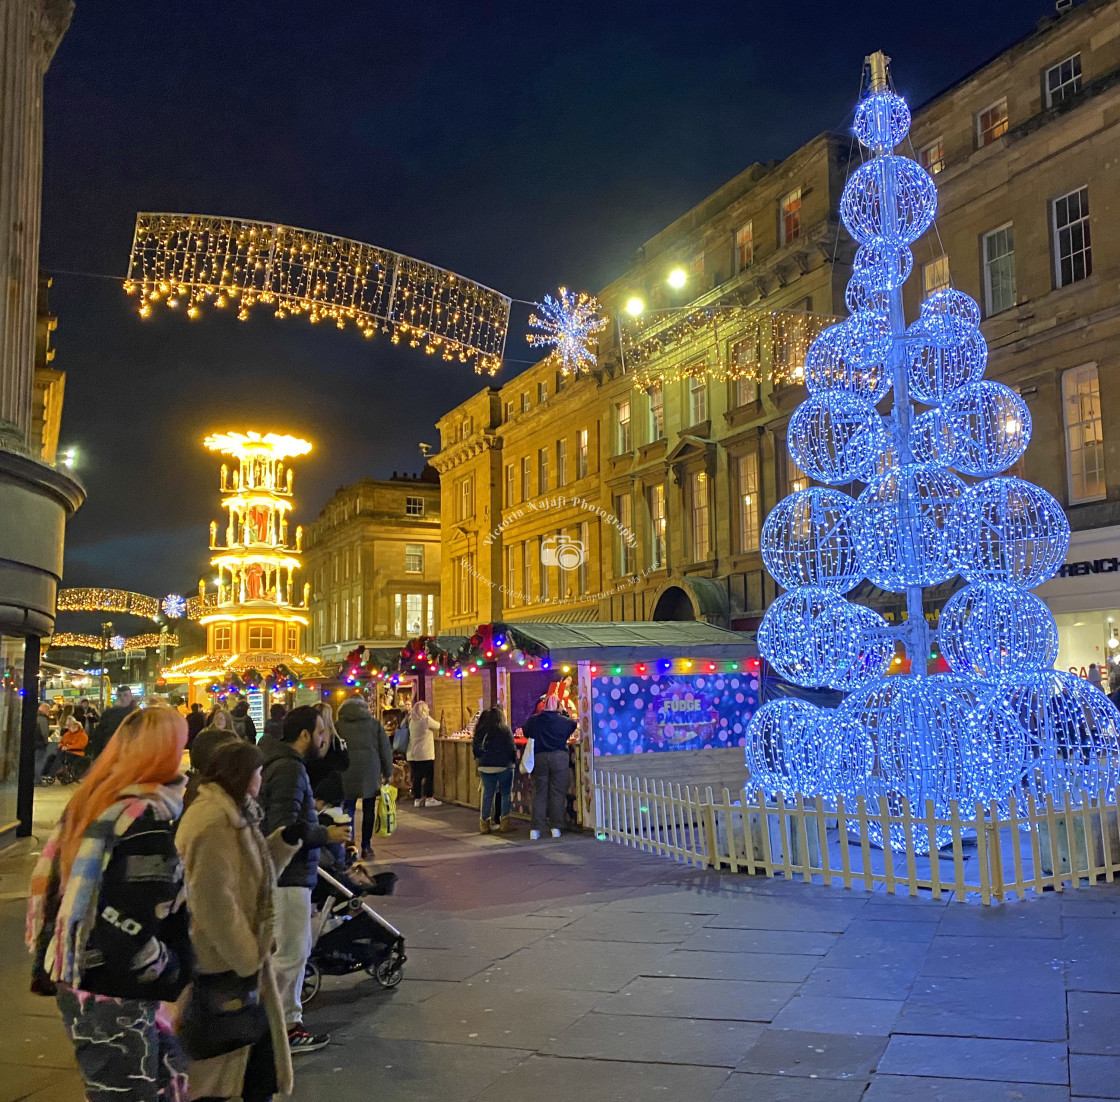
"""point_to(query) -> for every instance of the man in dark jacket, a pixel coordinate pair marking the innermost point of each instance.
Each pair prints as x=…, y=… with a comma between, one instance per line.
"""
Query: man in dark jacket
x=111, y=720
x=286, y=798
x=243, y=724
x=370, y=763
x=274, y=725
x=196, y=720
x=550, y=731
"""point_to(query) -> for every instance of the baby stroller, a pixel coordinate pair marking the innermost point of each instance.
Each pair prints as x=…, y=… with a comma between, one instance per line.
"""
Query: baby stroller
x=349, y=936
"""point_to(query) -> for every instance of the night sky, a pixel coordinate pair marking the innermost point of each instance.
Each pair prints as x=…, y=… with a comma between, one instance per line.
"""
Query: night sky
x=524, y=146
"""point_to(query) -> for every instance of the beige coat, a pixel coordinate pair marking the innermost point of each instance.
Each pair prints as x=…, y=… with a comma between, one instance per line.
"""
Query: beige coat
x=231, y=872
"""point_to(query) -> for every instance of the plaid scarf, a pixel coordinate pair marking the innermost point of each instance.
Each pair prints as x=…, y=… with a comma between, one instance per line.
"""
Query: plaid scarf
x=69, y=909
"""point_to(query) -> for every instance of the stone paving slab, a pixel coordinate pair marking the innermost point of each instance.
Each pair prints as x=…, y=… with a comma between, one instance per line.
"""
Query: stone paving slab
x=976, y=1058
x=822, y=1014
x=574, y=965
x=1093, y=1021
x=760, y=941
x=697, y=964
x=913, y=1088
x=1094, y=1076
x=885, y=981
x=777, y=1088
x=815, y=1055
x=732, y=1000
x=993, y=957
x=1030, y=1008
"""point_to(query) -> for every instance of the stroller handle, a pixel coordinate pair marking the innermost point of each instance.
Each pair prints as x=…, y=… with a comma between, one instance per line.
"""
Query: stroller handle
x=346, y=893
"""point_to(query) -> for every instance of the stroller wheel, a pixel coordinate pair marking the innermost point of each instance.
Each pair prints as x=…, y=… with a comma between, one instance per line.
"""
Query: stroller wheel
x=388, y=973
x=312, y=981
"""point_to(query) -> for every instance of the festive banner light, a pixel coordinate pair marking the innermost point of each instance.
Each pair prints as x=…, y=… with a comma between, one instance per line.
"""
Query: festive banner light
x=107, y=600
x=569, y=324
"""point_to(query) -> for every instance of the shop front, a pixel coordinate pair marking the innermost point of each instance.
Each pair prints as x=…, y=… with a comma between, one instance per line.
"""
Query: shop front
x=1084, y=597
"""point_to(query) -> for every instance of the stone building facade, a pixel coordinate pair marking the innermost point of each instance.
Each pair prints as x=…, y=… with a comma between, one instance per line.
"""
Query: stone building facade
x=372, y=558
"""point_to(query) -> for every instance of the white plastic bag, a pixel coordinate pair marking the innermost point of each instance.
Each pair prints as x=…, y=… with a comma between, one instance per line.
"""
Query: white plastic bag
x=528, y=758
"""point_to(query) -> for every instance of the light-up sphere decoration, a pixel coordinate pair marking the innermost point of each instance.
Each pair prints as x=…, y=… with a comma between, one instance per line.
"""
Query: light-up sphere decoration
x=1010, y=531
x=933, y=439
x=840, y=359
x=815, y=638
x=882, y=265
x=991, y=629
x=860, y=297
x=174, y=606
x=935, y=370
x=807, y=540
x=1070, y=727
x=889, y=197
x=787, y=748
x=993, y=427
x=882, y=120
x=116, y=642
x=837, y=438
x=904, y=523
x=950, y=316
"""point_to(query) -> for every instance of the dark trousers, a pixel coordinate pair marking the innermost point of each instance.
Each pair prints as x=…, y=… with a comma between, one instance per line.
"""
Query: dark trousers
x=423, y=779
x=369, y=807
x=550, y=788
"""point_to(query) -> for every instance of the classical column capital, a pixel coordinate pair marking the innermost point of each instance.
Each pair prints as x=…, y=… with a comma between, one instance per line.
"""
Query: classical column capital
x=54, y=22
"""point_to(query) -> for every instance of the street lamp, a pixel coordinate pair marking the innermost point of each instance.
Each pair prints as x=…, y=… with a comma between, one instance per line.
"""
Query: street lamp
x=634, y=306
x=678, y=277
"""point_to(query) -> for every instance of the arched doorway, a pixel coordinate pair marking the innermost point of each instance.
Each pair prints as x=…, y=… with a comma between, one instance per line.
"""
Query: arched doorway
x=674, y=604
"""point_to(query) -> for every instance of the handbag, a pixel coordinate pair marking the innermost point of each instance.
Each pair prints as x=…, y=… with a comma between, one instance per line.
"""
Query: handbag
x=223, y=1013
x=528, y=758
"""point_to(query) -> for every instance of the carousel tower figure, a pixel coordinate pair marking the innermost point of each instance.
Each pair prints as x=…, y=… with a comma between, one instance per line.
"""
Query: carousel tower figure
x=934, y=506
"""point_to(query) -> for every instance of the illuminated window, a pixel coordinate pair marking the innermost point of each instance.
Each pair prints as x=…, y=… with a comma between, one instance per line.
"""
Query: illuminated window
x=657, y=544
x=1063, y=80
x=1084, y=433
x=414, y=506
x=999, y=270
x=414, y=558
x=744, y=246
x=796, y=478
x=791, y=217
x=622, y=422
x=582, y=452
x=466, y=498
x=414, y=614
x=561, y=462
x=293, y=638
x=656, y=399
x=697, y=264
x=262, y=637
x=1073, y=256
x=624, y=551
x=932, y=157
x=935, y=276
x=700, y=515
x=746, y=485
x=991, y=123
x=697, y=399
x=542, y=470
x=223, y=639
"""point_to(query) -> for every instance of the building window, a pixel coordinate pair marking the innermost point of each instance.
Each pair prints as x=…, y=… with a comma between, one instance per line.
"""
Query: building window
x=1084, y=433
x=398, y=615
x=511, y=484
x=507, y=411
x=622, y=421
x=624, y=550
x=414, y=558
x=223, y=639
x=932, y=157
x=791, y=217
x=511, y=576
x=293, y=638
x=526, y=478
x=414, y=614
x=999, y=270
x=582, y=450
x=431, y=630
x=991, y=123
x=699, y=515
x=744, y=246
x=583, y=570
x=746, y=488
x=1073, y=256
x=935, y=276
x=462, y=578
x=466, y=427
x=413, y=506
x=262, y=637
x=658, y=532
x=697, y=399
x=542, y=470
x=1063, y=80
x=544, y=551
x=525, y=402
x=656, y=399
x=559, y=380
x=526, y=571
x=542, y=392
x=466, y=498
x=796, y=478
x=561, y=463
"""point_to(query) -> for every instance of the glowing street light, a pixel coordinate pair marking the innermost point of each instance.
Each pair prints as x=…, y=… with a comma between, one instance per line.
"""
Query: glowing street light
x=678, y=277
x=634, y=306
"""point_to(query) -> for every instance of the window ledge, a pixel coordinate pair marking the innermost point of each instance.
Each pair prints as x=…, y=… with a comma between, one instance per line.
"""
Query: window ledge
x=653, y=450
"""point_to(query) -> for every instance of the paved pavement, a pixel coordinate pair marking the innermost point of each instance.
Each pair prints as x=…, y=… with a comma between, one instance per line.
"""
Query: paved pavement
x=575, y=969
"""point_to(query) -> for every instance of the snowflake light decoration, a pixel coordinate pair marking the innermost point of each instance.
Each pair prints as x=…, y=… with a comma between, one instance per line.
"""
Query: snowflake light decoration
x=116, y=642
x=569, y=324
x=174, y=606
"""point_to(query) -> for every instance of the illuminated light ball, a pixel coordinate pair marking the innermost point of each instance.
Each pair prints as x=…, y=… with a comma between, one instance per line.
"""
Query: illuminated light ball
x=814, y=638
x=787, y=749
x=117, y=642
x=1071, y=729
x=843, y=358
x=904, y=524
x=991, y=629
x=860, y=297
x=174, y=606
x=882, y=265
x=807, y=540
x=992, y=427
x=935, y=370
x=882, y=120
x=890, y=197
x=923, y=729
x=950, y=315
x=837, y=437
x=932, y=439
x=1010, y=531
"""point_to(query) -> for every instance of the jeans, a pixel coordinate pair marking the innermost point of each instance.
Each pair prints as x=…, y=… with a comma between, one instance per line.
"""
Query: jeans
x=423, y=778
x=550, y=788
x=293, y=947
x=369, y=808
x=503, y=782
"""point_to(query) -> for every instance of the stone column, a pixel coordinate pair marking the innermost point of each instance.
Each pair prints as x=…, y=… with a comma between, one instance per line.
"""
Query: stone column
x=30, y=31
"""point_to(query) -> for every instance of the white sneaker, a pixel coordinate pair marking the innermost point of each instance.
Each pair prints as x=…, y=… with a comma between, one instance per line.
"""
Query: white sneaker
x=431, y=801
x=555, y=833
x=534, y=835
x=418, y=803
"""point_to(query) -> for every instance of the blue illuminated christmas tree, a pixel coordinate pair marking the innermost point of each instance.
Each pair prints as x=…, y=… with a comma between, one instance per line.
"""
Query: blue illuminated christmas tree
x=934, y=506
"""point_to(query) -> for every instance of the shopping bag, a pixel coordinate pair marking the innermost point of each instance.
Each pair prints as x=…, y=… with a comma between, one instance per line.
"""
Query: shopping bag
x=528, y=758
x=385, y=813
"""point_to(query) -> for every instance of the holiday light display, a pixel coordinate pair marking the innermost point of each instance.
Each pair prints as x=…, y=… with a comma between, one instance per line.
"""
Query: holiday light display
x=107, y=600
x=96, y=642
x=1002, y=721
x=569, y=325
x=194, y=259
x=174, y=606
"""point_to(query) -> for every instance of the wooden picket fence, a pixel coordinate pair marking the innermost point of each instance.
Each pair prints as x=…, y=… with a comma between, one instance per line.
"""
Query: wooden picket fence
x=992, y=854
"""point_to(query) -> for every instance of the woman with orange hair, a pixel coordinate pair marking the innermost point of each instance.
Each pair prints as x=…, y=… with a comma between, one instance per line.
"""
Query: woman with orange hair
x=107, y=918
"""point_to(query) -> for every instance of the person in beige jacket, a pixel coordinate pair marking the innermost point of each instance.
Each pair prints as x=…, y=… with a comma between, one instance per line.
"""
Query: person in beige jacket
x=231, y=871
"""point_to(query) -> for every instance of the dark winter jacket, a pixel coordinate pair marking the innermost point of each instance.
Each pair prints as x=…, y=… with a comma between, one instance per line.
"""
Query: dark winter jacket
x=335, y=759
x=243, y=724
x=273, y=727
x=371, y=753
x=286, y=798
x=139, y=947
x=196, y=721
x=549, y=731
x=493, y=744
x=107, y=727
x=42, y=731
